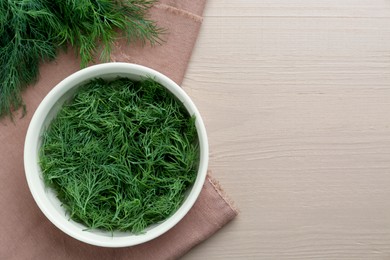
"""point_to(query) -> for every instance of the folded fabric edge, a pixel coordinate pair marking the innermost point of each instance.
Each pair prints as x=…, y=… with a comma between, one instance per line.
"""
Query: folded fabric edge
x=221, y=192
x=181, y=12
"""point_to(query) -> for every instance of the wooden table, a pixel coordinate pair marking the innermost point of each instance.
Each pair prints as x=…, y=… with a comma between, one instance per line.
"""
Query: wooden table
x=295, y=95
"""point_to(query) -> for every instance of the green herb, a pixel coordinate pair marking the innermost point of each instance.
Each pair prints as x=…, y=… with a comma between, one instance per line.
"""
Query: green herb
x=121, y=154
x=31, y=31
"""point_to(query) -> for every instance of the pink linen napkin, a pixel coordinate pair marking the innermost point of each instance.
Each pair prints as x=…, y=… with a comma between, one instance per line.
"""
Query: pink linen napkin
x=27, y=234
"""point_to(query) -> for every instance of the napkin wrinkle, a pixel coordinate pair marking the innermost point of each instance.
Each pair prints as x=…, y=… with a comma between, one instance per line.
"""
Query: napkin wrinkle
x=178, y=11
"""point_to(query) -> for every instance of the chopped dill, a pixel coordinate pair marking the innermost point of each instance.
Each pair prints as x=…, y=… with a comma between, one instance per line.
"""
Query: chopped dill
x=121, y=154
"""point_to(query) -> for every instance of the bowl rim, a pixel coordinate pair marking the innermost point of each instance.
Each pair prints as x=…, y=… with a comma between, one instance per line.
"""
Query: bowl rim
x=31, y=155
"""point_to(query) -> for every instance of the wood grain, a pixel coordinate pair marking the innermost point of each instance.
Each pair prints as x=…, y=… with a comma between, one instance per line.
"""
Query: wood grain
x=295, y=95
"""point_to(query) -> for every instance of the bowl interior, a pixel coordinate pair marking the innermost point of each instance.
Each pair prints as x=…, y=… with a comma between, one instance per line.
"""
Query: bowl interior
x=46, y=198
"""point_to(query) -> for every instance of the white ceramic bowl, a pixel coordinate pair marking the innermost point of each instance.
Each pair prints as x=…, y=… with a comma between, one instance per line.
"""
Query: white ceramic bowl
x=46, y=198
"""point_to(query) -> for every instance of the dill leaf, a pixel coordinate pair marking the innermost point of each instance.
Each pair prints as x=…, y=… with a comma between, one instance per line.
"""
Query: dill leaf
x=121, y=154
x=32, y=31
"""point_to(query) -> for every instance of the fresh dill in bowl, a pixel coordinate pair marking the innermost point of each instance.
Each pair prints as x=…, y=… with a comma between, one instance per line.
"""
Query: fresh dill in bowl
x=121, y=154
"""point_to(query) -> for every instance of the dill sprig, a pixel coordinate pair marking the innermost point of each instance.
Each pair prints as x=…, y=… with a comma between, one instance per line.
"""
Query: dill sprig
x=121, y=154
x=32, y=31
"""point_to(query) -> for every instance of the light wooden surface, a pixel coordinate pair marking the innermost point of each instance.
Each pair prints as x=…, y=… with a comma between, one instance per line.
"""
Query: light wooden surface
x=295, y=95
